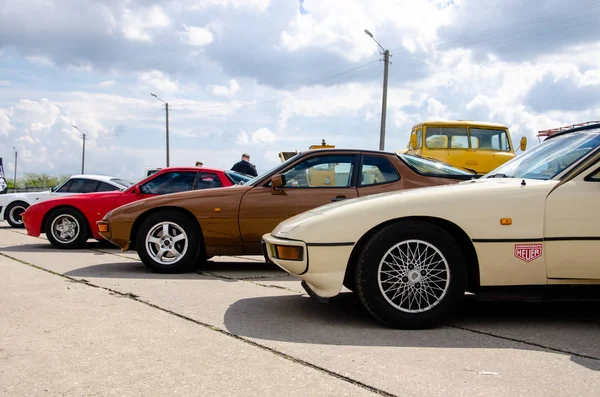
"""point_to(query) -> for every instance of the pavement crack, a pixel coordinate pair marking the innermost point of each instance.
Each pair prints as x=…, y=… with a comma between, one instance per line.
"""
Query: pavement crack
x=247, y=280
x=215, y=329
x=539, y=345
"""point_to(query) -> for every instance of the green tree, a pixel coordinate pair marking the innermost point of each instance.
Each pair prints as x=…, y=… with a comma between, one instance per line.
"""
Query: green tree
x=40, y=180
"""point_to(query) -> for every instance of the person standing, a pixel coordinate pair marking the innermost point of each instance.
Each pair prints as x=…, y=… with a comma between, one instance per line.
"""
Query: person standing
x=245, y=166
x=199, y=164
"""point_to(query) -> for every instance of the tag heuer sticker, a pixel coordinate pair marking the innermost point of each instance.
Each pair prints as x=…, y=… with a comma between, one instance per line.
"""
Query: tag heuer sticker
x=528, y=252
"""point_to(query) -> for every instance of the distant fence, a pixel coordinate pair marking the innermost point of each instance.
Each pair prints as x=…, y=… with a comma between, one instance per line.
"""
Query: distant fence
x=29, y=189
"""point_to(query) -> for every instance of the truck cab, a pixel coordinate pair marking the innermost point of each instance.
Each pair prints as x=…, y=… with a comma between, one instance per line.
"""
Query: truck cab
x=471, y=145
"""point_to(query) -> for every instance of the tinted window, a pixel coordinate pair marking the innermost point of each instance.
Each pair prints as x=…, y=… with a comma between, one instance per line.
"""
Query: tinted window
x=106, y=187
x=324, y=171
x=595, y=176
x=208, y=180
x=80, y=186
x=377, y=170
x=170, y=182
x=65, y=188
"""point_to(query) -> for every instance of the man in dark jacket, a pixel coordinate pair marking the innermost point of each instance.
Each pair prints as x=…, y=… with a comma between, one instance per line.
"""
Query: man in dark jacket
x=245, y=166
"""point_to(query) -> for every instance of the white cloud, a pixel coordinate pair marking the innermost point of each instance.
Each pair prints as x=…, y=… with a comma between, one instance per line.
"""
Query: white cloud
x=138, y=25
x=158, y=81
x=263, y=135
x=242, y=138
x=106, y=83
x=220, y=90
x=5, y=83
x=197, y=36
x=258, y=5
x=40, y=60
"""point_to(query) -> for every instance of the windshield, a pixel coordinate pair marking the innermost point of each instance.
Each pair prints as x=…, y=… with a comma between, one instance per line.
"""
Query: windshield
x=551, y=158
x=272, y=170
x=432, y=167
x=463, y=138
x=237, y=178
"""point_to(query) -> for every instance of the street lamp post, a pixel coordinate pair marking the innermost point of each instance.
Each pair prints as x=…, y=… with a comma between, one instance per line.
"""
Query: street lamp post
x=386, y=60
x=83, y=153
x=167, y=122
x=15, y=177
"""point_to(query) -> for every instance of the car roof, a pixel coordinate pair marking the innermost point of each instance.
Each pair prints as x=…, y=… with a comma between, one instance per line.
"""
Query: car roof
x=457, y=123
x=582, y=128
x=338, y=150
x=103, y=178
x=188, y=168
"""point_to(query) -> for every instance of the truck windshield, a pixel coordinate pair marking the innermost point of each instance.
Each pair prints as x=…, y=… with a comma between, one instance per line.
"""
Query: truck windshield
x=549, y=159
x=464, y=138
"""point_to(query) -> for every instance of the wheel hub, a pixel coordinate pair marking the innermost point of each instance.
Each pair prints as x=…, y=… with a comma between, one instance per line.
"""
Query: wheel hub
x=414, y=276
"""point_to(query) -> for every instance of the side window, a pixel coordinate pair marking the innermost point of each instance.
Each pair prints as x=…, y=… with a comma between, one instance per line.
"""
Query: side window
x=322, y=171
x=377, y=170
x=594, y=177
x=170, y=182
x=208, y=180
x=65, y=188
x=82, y=186
x=419, y=138
x=106, y=187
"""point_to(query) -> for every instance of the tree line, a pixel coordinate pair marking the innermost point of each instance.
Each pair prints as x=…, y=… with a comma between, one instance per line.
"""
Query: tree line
x=40, y=180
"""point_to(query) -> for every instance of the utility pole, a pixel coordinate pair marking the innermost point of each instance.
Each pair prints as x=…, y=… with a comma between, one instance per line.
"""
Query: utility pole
x=15, y=177
x=386, y=60
x=83, y=153
x=167, y=118
x=167, y=122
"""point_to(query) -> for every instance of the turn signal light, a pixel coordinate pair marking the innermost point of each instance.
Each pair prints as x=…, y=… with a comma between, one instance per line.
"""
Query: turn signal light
x=506, y=221
x=103, y=227
x=289, y=253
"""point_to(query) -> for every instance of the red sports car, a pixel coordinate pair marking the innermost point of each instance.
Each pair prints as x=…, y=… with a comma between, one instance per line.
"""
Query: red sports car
x=66, y=220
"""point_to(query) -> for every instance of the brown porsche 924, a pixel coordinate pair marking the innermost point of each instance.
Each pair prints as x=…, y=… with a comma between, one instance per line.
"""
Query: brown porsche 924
x=171, y=233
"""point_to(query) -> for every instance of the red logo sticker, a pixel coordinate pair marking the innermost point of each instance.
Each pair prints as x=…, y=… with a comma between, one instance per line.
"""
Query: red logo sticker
x=528, y=252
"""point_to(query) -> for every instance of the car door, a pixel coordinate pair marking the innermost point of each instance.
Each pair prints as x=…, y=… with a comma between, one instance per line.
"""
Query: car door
x=312, y=181
x=572, y=228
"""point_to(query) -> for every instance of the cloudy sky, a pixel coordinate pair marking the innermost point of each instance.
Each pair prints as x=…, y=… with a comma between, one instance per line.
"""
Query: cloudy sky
x=261, y=76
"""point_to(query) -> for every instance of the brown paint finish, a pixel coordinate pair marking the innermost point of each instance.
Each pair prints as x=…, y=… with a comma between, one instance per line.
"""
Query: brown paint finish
x=233, y=219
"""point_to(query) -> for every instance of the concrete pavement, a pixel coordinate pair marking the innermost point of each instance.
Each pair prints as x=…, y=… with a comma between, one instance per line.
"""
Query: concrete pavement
x=124, y=330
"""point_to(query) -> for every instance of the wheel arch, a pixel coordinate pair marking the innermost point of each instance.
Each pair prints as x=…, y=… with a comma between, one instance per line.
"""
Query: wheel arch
x=17, y=201
x=462, y=238
x=63, y=206
x=140, y=219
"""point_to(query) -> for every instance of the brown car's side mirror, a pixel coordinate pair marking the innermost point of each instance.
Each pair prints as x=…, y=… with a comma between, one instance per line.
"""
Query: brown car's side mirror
x=278, y=181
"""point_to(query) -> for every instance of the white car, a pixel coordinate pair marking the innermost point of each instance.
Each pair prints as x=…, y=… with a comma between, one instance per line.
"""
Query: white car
x=14, y=204
x=411, y=255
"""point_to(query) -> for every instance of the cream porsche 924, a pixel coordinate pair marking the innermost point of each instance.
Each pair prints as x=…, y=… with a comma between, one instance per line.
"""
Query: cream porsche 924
x=411, y=255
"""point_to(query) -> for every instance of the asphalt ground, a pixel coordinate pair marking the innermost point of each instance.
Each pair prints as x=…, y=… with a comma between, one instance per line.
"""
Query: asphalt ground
x=96, y=322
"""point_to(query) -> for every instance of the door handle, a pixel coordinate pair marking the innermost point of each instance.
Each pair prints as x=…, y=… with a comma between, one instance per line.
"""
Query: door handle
x=338, y=198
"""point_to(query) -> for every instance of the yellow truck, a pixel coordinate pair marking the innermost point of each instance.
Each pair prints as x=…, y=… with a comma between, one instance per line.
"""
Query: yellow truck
x=467, y=144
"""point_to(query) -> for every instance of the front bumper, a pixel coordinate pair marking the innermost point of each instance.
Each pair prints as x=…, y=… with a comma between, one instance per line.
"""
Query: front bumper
x=322, y=267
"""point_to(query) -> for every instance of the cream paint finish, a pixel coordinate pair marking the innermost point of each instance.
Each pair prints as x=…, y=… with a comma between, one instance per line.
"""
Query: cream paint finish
x=572, y=212
x=499, y=266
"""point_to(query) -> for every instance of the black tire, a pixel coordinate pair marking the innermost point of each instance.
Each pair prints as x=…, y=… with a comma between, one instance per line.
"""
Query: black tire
x=176, y=222
x=434, y=243
x=13, y=214
x=67, y=228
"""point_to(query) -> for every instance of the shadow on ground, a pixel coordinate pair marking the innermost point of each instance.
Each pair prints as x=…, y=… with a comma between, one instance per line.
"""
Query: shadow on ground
x=567, y=328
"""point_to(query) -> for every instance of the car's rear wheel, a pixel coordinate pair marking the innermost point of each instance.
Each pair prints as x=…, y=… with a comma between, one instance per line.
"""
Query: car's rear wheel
x=14, y=212
x=67, y=228
x=169, y=242
x=411, y=274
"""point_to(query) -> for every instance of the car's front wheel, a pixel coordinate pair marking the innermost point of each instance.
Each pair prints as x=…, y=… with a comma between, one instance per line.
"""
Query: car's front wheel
x=67, y=228
x=169, y=242
x=411, y=275
x=14, y=212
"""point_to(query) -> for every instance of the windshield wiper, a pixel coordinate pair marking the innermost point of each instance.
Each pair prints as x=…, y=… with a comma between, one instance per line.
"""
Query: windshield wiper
x=500, y=176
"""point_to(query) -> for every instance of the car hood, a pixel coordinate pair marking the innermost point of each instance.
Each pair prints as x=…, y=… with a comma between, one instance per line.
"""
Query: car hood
x=476, y=206
x=182, y=199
